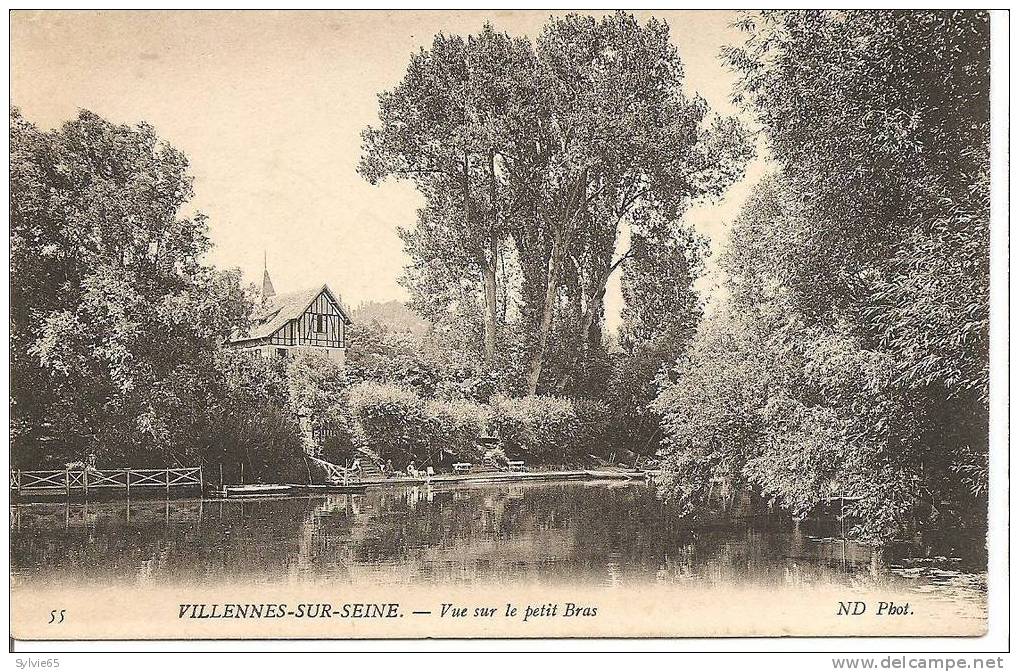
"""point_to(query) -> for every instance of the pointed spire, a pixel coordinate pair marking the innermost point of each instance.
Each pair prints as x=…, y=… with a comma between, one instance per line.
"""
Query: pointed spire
x=267, y=289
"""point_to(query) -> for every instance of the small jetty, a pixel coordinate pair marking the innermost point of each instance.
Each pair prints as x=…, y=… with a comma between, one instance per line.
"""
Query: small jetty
x=252, y=490
x=516, y=477
x=359, y=487
x=284, y=490
x=330, y=488
x=86, y=483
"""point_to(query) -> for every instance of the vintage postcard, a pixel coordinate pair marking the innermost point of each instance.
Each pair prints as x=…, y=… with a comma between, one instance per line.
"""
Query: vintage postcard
x=502, y=324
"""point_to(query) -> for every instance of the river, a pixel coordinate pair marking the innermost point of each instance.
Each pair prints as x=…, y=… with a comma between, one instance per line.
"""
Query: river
x=594, y=535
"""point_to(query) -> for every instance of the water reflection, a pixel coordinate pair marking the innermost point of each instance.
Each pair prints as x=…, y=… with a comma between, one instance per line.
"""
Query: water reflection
x=598, y=534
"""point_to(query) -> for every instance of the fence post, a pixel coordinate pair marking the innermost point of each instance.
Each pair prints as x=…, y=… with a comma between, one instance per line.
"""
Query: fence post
x=201, y=480
x=128, y=472
x=67, y=483
x=167, y=474
x=19, y=482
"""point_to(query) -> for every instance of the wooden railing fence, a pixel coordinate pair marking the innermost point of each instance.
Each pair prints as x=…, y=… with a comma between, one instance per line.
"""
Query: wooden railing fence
x=83, y=480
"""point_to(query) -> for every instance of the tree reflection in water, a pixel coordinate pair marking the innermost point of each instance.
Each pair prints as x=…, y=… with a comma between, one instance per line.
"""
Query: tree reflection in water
x=587, y=533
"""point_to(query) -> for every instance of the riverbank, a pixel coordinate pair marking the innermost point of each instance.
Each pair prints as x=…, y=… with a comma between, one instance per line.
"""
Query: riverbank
x=359, y=487
x=261, y=490
x=515, y=476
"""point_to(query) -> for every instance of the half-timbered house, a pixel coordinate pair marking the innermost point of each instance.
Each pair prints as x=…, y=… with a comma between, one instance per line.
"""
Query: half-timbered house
x=308, y=320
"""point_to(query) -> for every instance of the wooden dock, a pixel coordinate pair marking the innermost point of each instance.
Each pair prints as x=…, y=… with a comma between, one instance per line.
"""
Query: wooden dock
x=284, y=490
x=257, y=490
x=76, y=482
x=73, y=483
x=517, y=477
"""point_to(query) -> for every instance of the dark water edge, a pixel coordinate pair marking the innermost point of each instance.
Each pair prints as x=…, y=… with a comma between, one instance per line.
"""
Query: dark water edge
x=581, y=533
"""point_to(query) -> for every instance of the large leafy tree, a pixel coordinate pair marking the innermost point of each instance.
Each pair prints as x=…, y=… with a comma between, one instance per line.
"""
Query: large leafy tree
x=855, y=341
x=451, y=127
x=115, y=319
x=886, y=155
x=552, y=147
x=880, y=121
x=620, y=145
x=660, y=316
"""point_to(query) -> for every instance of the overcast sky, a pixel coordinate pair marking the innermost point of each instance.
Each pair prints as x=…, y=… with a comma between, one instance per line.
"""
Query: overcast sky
x=269, y=107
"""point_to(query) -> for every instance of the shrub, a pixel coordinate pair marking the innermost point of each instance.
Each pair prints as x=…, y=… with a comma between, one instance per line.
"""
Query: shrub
x=455, y=428
x=315, y=382
x=542, y=428
x=262, y=437
x=389, y=421
x=593, y=423
x=396, y=424
x=254, y=425
x=496, y=456
x=335, y=432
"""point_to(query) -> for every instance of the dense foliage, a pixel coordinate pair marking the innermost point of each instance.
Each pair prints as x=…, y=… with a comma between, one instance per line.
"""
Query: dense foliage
x=847, y=357
x=534, y=158
x=400, y=427
x=543, y=428
x=115, y=321
x=851, y=359
x=255, y=434
x=390, y=420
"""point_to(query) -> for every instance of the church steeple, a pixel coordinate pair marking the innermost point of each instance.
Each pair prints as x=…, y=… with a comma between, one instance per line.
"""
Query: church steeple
x=267, y=289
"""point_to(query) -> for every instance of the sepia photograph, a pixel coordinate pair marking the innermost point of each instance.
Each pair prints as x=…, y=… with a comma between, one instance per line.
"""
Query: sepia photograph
x=503, y=324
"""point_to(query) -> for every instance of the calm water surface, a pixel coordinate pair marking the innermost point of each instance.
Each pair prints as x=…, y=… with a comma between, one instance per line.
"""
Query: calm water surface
x=547, y=533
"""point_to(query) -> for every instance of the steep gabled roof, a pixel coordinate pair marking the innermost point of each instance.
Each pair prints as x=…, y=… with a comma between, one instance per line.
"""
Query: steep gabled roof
x=280, y=309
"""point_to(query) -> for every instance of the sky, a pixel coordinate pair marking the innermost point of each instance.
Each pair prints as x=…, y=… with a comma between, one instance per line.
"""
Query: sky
x=269, y=106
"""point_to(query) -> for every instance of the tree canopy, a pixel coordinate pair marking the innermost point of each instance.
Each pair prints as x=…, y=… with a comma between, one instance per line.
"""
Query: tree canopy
x=852, y=358
x=115, y=317
x=531, y=158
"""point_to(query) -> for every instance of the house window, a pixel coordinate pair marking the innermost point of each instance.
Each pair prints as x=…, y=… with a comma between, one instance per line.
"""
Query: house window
x=281, y=352
x=319, y=326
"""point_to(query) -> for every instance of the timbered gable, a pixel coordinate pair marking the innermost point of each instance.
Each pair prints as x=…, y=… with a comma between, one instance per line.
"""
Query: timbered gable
x=311, y=318
x=321, y=324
